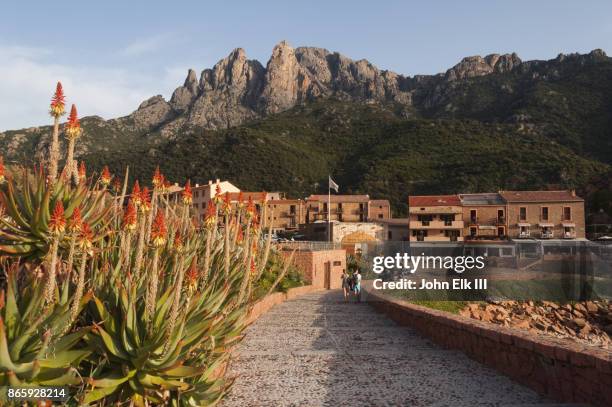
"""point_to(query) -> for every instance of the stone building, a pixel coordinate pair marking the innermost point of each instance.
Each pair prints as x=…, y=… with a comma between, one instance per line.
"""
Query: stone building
x=346, y=208
x=544, y=214
x=435, y=218
x=484, y=216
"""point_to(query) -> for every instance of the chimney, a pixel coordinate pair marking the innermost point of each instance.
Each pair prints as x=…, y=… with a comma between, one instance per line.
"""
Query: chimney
x=197, y=185
x=573, y=192
x=209, y=182
x=176, y=184
x=218, y=180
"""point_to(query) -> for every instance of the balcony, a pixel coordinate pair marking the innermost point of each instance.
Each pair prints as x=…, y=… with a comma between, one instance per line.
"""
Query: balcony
x=435, y=224
x=524, y=235
x=546, y=234
x=569, y=235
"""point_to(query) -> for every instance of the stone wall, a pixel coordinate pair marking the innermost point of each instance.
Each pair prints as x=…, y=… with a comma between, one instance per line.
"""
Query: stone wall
x=313, y=265
x=557, y=368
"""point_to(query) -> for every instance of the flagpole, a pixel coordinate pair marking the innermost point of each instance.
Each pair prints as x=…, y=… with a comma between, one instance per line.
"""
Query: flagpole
x=328, y=208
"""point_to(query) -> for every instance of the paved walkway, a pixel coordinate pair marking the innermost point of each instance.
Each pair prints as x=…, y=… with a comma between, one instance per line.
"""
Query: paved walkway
x=316, y=350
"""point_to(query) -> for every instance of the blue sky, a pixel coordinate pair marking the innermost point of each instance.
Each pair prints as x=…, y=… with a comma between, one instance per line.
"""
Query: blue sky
x=111, y=55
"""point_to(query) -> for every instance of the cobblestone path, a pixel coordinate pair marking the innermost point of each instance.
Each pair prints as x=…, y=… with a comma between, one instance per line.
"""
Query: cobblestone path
x=316, y=350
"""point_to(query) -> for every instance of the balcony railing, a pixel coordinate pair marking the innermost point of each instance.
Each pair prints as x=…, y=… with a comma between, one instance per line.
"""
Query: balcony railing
x=524, y=235
x=569, y=235
x=547, y=235
x=435, y=224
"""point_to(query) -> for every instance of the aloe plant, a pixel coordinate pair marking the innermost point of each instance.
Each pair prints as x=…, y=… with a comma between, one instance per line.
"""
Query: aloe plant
x=174, y=351
x=29, y=202
x=37, y=347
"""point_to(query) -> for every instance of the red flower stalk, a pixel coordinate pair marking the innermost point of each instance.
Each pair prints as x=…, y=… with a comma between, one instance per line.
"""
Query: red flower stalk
x=82, y=171
x=250, y=212
x=58, y=102
x=240, y=199
x=192, y=276
x=105, y=177
x=116, y=184
x=227, y=204
x=136, y=194
x=211, y=215
x=240, y=236
x=187, y=194
x=86, y=236
x=76, y=221
x=2, y=177
x=57, y=223
x=158, y=229
x=178, y=242
x=145, y=199
x=73, y=126
x=253, y=267
x=158, y=178
x=217, y=197
x=130, y=217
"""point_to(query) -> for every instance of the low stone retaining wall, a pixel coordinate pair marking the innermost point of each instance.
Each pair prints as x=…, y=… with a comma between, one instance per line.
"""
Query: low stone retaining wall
x=263, y=305
x=557, y=368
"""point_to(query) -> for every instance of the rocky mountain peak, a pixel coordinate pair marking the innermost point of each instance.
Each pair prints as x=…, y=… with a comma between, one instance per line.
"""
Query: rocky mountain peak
x=470, y=67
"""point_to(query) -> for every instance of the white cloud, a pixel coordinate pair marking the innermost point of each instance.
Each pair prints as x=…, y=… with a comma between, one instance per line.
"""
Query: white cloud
x=28, y=77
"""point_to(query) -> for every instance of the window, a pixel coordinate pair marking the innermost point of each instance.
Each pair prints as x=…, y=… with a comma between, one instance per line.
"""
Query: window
x=380, y=216
x=567, y=213
x=337, y=263
x=473, y=232
x=324, y=207
x=389, y=235
x=473, y=216
x=522, y=213
x=500, y=215
x=544, y=213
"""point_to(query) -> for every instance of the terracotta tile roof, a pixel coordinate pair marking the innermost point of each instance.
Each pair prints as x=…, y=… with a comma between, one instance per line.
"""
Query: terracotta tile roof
x=285, y=201
x=340, y=198
x=393, y=221
x=540, y=196
x=433, y=200
x=379, y=202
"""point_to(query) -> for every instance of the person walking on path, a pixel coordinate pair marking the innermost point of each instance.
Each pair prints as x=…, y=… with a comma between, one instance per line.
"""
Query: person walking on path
x=357, y=277
x=345, y=284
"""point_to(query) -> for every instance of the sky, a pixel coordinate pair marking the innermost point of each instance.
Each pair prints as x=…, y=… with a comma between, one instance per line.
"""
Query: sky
x=111, y=55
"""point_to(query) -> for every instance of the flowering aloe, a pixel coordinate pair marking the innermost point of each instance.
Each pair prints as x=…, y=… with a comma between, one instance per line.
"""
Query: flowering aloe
x=73, y=131
x=2, y=176
x=187, y=194
x=57, y=110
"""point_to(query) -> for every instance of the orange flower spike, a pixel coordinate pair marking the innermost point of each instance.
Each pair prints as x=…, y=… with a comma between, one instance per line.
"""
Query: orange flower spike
x=86, y=237
x=73, y=126
x=240, y=199
x=57, y=223
x=130, y=217
x=192, y=276
x=145, y=200
x=2, y=176
x=178, y=242
x=116, y=184
x=82, y=171
x=187, y=194
x=211, y=215
x=105, y=177
x=158, y=179
x=240, y=236
x=136, y=194
x=76, y=221
x=250, y=208
x=159, y=231
x=253, y=267
x=58, y=102
x=227, y=204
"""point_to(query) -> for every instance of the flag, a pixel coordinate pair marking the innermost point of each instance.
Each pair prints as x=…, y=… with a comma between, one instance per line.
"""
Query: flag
x=333, y=185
